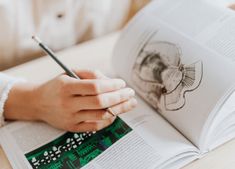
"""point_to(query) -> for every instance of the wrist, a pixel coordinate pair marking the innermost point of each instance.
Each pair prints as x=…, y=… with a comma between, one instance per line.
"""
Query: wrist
x=21, y=103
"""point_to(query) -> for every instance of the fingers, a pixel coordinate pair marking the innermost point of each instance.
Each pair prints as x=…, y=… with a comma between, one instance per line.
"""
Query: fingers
x=90, y=97
x=92, y=126
x=104, y=114
x=94, y=87
x=102, y=101
x=90, y=74
x=93, y=120
x=93, y=83
x=92, y=115
x=124, y=107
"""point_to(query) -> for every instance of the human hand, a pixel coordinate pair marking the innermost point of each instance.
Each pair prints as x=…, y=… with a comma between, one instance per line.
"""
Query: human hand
x=71, y=104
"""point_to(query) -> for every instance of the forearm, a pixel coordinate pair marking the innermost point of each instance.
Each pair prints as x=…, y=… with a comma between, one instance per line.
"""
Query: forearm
x=21, y=103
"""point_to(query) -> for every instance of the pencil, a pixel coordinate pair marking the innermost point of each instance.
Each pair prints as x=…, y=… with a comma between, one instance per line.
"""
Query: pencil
x=52, y=54
x=69, y=72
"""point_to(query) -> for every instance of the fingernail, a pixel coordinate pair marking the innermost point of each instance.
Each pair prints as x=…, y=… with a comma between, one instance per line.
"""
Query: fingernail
x=131, y=92
x=121, y=82
x=133, y=102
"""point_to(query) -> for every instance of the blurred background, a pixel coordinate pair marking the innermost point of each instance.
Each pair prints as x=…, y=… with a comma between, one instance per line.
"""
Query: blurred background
x=60, y=24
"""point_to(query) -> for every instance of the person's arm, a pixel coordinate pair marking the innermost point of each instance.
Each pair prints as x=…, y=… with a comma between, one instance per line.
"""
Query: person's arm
x=70, y=104
x=6, y=83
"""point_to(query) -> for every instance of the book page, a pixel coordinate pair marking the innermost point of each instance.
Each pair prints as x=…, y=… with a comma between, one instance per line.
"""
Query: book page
x=209, y=25
x=159, y=56
x=213, y=28
x=138, y=136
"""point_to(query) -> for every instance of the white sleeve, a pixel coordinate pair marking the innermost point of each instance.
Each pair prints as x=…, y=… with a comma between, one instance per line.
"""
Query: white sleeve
x=6, y=83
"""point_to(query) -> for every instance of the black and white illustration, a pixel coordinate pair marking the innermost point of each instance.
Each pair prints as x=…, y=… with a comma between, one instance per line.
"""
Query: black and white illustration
x=161, y=78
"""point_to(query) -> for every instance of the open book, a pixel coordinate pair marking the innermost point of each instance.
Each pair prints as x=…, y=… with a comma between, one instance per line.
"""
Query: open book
x=180, y=58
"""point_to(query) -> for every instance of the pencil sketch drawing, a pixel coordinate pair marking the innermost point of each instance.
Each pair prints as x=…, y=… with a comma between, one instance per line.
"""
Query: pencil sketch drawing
x=161, y=78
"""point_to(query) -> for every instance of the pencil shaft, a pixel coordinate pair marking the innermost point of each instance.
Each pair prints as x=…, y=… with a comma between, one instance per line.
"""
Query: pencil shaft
x=51, y=53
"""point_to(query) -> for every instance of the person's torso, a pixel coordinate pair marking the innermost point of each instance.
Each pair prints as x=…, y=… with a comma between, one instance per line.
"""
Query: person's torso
x=59, y=23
